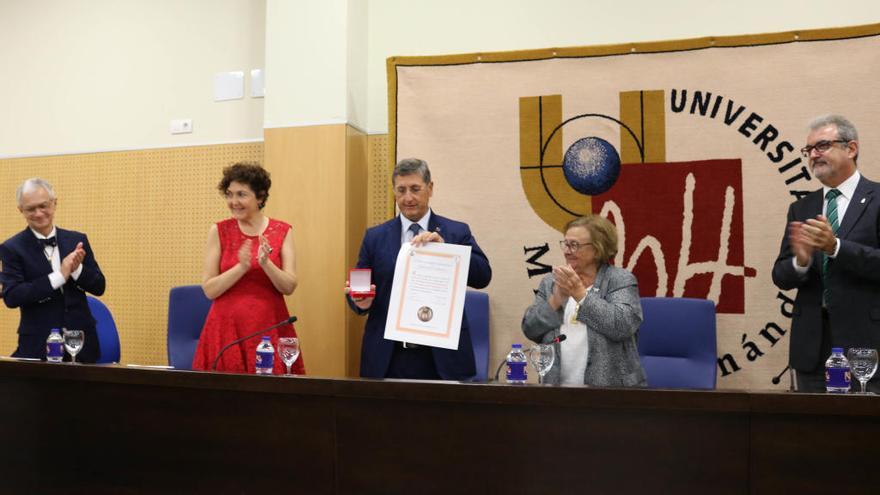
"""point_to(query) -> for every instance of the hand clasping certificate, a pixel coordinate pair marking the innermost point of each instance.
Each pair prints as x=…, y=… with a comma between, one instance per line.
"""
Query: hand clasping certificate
x=427, y=296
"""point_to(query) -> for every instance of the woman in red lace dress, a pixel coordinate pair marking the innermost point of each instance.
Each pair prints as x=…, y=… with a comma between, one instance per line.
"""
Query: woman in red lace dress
x=249, y=268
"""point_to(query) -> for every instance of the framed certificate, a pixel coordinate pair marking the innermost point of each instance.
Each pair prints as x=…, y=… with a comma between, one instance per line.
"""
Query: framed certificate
x=427, y=296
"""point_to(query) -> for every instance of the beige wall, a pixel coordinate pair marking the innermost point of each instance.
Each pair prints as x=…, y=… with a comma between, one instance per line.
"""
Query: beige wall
x=305, y=63
x=427, y=27
x=110, y=74
x=91, y=75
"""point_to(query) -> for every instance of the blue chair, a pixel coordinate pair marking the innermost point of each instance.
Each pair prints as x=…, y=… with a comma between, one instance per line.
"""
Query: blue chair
x=187, y=309
x=677, y=342
x=108, y=336
x=476, y=309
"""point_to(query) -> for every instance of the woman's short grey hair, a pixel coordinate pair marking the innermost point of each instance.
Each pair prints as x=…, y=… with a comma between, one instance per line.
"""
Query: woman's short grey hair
x=32, y=185
x=409, y=166
x=845, y=129
x=603, y=235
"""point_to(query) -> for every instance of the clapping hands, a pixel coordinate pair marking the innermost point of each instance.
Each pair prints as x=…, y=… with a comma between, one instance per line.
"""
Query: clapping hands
x=567, y=283
x=73, y=260
x=264, y=252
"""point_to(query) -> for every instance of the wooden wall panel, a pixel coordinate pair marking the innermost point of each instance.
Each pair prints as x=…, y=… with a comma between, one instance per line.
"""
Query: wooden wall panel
x=309, y=190
x=357, y=187
x=380, y=200
x=146, y=214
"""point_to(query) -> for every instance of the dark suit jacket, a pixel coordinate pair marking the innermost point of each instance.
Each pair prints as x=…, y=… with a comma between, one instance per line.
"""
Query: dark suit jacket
x=379, y=252
x=25, y=280
x=853, y=279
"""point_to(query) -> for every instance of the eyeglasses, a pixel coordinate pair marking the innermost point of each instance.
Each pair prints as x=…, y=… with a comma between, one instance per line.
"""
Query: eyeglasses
x=821, y=147
x=46, y=206
x=572, y=246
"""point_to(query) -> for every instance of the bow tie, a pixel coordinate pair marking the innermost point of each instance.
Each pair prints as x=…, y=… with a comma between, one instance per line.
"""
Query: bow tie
x=50, y=242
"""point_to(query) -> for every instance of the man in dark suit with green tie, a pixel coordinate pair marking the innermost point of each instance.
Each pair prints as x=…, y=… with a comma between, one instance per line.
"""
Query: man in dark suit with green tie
x=831, y=255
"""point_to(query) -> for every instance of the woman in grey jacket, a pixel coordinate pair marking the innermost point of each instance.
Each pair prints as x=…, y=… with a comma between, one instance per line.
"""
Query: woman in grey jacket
x=595, y=305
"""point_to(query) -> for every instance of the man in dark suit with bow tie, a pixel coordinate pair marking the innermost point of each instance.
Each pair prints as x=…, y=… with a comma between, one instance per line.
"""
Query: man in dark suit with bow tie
x=46, y=274
x=831, y=255
x=381, y=358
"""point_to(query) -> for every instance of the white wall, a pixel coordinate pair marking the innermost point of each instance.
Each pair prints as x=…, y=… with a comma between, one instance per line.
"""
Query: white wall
x=357, y=67
x=109, y=74
x=306, y=53
x=430, y=27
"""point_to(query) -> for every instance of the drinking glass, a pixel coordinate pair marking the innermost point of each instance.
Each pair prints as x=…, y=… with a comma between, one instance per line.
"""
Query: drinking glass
x=288, y=350
x=542, y=357
x=863, y=363
x=73, y=342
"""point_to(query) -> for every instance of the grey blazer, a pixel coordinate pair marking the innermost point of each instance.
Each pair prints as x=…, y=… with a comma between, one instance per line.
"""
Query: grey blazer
x=612, y=312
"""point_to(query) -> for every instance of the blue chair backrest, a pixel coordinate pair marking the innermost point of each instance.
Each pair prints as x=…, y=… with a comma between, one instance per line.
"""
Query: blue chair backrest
x=476, y=310
x=108, y=336
x=677, y=342
x=187, y=309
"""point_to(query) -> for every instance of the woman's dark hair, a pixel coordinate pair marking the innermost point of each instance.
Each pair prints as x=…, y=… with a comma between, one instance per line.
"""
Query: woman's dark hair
x=250, y=173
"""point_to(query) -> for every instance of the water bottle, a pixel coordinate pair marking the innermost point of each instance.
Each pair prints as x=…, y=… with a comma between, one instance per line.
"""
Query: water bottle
x=837, y=372
x=55, y=346
x=265, y=356
x=516, y=365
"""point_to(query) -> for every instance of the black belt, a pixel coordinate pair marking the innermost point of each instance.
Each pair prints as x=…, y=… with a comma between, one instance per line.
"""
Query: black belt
x=409, y=345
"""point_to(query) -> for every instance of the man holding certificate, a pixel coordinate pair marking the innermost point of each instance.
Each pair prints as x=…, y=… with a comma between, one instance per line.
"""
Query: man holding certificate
x=418, y=225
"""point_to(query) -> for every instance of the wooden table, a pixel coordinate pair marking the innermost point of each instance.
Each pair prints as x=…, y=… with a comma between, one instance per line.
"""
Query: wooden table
x=112, y=429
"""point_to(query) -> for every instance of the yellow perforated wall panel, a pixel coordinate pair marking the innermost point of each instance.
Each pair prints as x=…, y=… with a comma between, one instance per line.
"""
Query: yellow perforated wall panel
x=380, y=202
x=146, y=214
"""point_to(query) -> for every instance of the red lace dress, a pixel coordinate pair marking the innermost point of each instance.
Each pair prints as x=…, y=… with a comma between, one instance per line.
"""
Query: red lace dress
x=249, y=305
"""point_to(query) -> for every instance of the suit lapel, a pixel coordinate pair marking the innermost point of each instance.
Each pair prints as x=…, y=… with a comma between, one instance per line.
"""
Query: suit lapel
x=857, y=206
x=434, y=224
x=38, y=250
x=815, y=202
x=394, y=235
x=63, y=243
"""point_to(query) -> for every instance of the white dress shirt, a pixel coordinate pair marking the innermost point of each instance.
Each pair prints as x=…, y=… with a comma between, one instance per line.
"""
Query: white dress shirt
x=574, y=353
x=406, y=235
x=847, y=190
x=56, y=279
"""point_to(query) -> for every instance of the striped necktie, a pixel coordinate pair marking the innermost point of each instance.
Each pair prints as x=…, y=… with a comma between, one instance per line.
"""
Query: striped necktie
x=415, y=229
x=831, y=215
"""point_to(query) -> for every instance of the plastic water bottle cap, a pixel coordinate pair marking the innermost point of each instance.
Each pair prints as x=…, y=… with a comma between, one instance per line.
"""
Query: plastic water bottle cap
x=266, y=337
x=837, y=350
x=517, y=346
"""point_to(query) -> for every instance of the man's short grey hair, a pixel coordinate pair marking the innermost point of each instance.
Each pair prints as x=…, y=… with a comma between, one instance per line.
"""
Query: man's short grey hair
x=32, y=185
x=409, y=166
x=845, y=129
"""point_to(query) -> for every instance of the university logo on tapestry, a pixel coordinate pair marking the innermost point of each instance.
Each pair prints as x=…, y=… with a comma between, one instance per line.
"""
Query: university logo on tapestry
x=695, y=168
x=680, y=223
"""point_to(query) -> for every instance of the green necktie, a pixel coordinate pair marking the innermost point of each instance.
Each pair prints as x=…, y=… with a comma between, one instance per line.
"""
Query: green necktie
x=831, y=215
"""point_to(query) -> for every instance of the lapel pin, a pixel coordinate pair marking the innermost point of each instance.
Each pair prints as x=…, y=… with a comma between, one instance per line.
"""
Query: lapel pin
x=862, y=201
